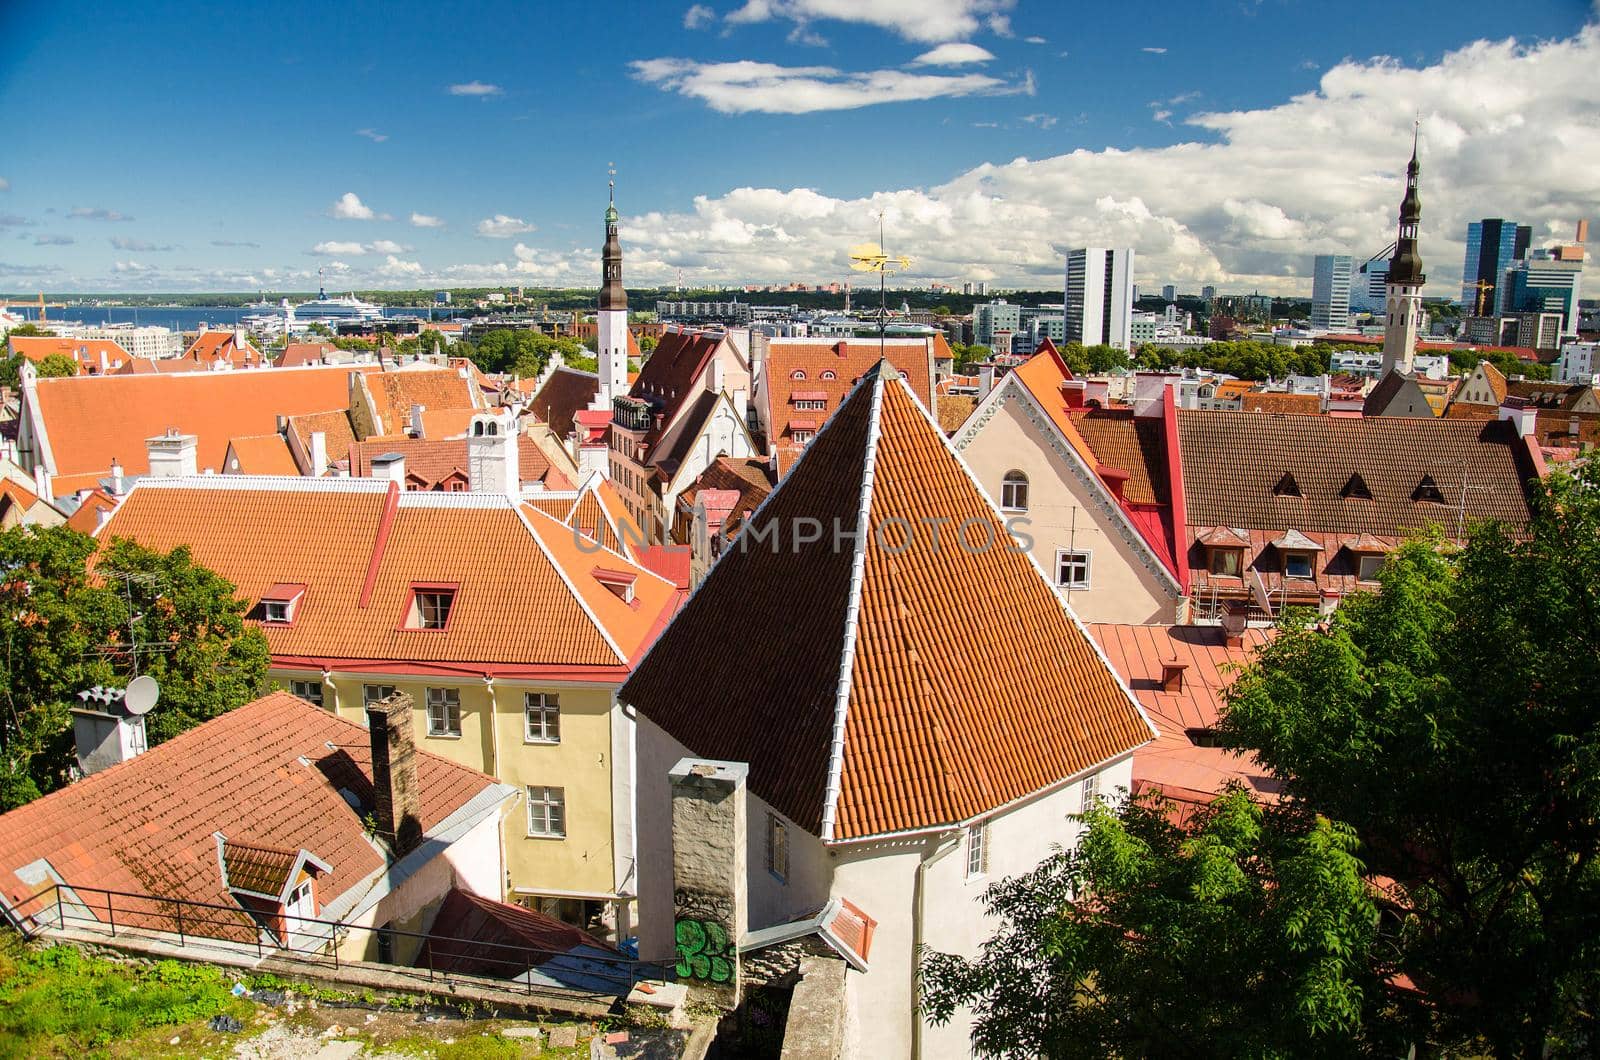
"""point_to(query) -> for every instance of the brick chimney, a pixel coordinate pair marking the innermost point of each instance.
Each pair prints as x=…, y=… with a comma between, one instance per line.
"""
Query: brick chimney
x=1233, y=627
x=708, y=874
x=1075, y=391
x=397, y=798
x=1172, y=675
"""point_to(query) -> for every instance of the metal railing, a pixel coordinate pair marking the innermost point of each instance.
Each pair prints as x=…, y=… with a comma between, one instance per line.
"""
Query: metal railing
x=314, y=941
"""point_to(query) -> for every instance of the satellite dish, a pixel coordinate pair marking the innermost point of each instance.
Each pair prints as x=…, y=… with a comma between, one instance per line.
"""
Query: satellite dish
x=141, y=694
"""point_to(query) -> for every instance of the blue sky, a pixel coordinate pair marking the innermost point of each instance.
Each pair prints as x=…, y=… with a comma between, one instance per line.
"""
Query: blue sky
x=224, y=136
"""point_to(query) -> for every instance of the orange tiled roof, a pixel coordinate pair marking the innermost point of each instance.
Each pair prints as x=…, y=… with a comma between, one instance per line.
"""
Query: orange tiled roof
x=954, y=410
x=261, y=454
x=296, y=354
x=359, y=549
x=92, y=420
x=848, y=360
x=146, y=826
x=1175, y=760
x=86, y=353
x=431, y=461
x=87, y=517
x=394, y=392
x=1275, y=401
x=933, y=730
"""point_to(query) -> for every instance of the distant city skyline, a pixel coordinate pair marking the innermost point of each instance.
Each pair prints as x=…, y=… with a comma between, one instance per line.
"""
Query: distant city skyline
x=1227, y=143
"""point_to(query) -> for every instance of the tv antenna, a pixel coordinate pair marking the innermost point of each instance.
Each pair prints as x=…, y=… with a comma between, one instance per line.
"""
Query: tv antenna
x=134, y=647
x=871, y=257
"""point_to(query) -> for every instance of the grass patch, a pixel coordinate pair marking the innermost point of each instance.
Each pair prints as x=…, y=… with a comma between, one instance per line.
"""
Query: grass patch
x=55, y=1001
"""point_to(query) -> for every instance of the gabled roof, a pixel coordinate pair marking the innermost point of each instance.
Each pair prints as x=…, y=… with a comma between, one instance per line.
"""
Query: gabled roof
x=1231, y=462
x=92, y=420
x=338, y=433
x=563, y=394
x=1397, y=394
x=260, y=454
x=394, y=392
x=848, y=360
x=86, y=518
x=669, y=375
x=301, y=353
x=473, y=935
x=269, y=773
x=744, y=481
x=858, y=712
x=434, y=460
x=85, y=353
x=525, y=596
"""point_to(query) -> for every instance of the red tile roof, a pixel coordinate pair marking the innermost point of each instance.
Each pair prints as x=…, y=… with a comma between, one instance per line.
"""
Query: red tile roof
x=92, y=420
x=1176, y=760
x=432, y=461
x=848, y=360
x=933, y=729
x=565, y=393
x=473, y=935
x=359, y=550
x=86, y=353
x=394, y=392
x=268, y=773
x=296, y=354
x=261, y=454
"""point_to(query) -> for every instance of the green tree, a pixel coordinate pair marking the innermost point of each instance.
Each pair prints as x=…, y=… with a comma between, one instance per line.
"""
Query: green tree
x=1246, y=934
x=316, y=327
x=56, y=366
x=1451, y=720
x=648, y=343
x=64, y=629
x=33, y=330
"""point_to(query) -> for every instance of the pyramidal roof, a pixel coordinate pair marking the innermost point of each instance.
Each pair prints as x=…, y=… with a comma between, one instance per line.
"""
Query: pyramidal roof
x=874, y=648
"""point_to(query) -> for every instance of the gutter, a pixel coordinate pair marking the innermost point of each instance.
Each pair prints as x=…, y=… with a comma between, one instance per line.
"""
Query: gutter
x=919, y=912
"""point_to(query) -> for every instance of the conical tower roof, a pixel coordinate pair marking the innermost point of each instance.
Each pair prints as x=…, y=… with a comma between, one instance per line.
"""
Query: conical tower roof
x=877, y=648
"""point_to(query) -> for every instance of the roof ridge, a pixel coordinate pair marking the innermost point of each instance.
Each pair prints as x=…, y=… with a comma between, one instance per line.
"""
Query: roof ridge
x=877, y=376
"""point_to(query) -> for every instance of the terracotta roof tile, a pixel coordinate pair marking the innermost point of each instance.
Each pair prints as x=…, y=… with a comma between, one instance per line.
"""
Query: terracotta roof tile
x=333, y=535
x=296, y=354
x=92, y=420
x=432, y=461
x=1117, y=439
x=86, y=519
x=563, y=394
x=848, y=360
x=936, y=729
x=268, y=773
x=954, y=410
x=394, y=392
x=473, y=935
x=261, y=454
x=262, y=869
x=1275, y=401
x=86, y=353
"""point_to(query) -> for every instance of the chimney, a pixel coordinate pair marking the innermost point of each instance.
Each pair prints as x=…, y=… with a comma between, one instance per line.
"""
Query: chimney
x=416, y=420
x=319, y=453
x=493, y=454
x=1115, y=478
x=397, y=799
x=391, y=466
x=1148, y=388
x=708, y=869
x=1523, y=415
x=105, y=730
x=1075, y=391
x=1172, y=675
x=1583, y=231
x=116, y=478
x=985, y=380
x=1233, y=626
x=173, y=454
x=1097, y=391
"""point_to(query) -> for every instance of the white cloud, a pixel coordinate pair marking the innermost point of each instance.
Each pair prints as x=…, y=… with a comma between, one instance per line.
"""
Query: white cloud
x=138, y=246
x=1161, y=115
x=697, y=16
x=97, y=213
x=501, y=226
x=476, y=88
x=132, y=267
x=953, y=55
x=349, y=207
x=929, y=21
x=1034, y=40
x=386, y=246
x=393, y=266
x=1154, y=51
x=422, y=220
x=372, y=134
x=745, y=86
x=1043, y=121
x=334, y=246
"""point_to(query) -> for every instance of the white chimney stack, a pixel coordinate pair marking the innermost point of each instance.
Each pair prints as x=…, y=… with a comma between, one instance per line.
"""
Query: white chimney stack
x=1524, y=416
x=319, y=453
x=391, y=466
x=493, y=454
x=173, y=454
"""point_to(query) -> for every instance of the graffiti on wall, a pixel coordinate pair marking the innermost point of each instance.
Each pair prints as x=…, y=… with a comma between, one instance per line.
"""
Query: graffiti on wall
x=700, y=929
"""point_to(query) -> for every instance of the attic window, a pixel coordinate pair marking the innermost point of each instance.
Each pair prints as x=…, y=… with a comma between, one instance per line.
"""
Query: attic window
x=1356, y=489
x=829, y=374
x=1427, y=491
x=619, y=582
x=1287, y=487
x=430, y=606
x=798, y=373
x=280, y=603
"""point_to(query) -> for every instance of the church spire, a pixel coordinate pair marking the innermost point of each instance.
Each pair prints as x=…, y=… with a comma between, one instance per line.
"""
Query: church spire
x=612, y=295
x=1404, y=318
x=1405, y=268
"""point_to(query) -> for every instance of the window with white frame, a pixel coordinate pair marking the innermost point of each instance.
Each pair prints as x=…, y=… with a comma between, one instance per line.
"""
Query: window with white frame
x=977, y=850
x=275, y=611
x=1014, y=492
x=1297, y=564
x=1368, y=567
x=802, y=437
x=310, y=691
x=444, y=712
x=372, y=695
x=547, y=811
x=1091, y=791
x=541, y=716
x=1072, y=568
x=777, y=847
x=810, y=404
x=430, y=607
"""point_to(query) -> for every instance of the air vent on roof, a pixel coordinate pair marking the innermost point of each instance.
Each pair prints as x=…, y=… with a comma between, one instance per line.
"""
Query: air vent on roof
x=1356, y=489
x=1427, y=491
x=1287, y=487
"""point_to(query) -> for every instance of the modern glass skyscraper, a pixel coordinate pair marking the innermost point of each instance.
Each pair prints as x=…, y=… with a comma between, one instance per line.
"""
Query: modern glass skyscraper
x=1542, y=283
x=1330, y=291
x=1099, y=296
x=1370, y=286
x=1492, y=245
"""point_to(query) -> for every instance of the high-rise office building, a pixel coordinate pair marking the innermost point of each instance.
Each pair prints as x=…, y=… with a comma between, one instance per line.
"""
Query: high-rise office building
x=1208, y=292
x=991, y=317
x=1330, y=291
x=1099, y=296
x=1545, y=283
x=1369, y=286
x=1492, y=245
x=1169, y=293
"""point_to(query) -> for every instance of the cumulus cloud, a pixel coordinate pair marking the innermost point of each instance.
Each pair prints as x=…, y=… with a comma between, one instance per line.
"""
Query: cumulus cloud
x=349, y=207
x=372, y=134
x=1247, y=203
x=953, y=55
x=1043, y=121
x=500, y=226
x=335, y=246
x=97, y=213
x=53, y=241
x=1154, y=51
x=743, y=87
x=386, y=246
x=929, y=21
x=697, y=16
x=138, y=246
x=393, y=266
x=422, y=220
x=132, y=267
x=1034, y=40
x=476, y=88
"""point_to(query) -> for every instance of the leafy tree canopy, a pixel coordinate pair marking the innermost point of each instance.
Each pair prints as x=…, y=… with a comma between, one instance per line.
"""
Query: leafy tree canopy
x=522, y=352
x=57, y=366
x=65, y=628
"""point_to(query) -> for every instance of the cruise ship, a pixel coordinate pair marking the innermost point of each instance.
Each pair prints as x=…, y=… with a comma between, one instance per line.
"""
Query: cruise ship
x=336, y=310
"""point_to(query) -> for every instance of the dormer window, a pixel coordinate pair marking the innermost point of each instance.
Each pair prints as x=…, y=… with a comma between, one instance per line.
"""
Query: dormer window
x=1427, y=491
x=430, y=606
x=280, y=603
x=830, y=374
x=798, y=373
x=1356, y=489
x=619, y=582
x=1225, y=561
x=1297, y=564
x=1299, y=554
x=1287, y=487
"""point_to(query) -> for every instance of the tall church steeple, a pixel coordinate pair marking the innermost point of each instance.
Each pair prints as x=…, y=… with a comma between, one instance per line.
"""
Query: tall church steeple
x=1404, y=317
x=612, y=294
x=611, y=320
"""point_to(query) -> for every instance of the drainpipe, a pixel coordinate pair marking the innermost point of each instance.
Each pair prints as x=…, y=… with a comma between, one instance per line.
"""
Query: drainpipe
x=333, y=686
x=945, y=844
x=494, y=727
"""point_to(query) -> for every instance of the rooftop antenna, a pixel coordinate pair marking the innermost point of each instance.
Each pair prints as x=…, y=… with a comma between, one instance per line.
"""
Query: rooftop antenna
x=871, y=257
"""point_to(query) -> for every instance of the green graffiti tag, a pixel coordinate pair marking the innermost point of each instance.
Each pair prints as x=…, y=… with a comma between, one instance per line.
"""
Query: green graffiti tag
x=703, y=951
